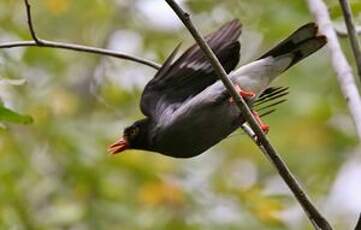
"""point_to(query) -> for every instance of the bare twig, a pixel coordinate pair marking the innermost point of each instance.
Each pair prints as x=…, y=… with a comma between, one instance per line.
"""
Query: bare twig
x=249, y=132
x=316, y=218
x=339, y=62
x=80, y=48
x=30, y=23
x=355, y=44
x=37, y=42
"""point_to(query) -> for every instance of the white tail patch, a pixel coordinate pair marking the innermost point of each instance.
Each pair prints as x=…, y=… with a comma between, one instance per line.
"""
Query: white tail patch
x=257, y=75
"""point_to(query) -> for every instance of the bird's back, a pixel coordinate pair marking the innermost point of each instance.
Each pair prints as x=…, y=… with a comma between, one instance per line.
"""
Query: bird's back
x=200, y=123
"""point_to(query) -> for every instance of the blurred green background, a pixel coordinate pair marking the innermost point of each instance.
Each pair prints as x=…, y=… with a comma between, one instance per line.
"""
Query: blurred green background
x=55, y=173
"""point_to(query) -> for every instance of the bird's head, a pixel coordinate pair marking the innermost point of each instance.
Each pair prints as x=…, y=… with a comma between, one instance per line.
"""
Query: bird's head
x=134, y=137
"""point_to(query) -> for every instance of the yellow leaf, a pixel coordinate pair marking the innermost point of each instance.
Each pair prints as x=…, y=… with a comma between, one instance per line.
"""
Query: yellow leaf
x=268, y=211
x=57, y=6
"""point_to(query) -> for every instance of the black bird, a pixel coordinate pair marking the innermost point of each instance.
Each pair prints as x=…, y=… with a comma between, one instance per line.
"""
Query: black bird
x=188, y=110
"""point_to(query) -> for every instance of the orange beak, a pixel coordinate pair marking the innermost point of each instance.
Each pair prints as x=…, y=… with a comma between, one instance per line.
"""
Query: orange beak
x=119, y=146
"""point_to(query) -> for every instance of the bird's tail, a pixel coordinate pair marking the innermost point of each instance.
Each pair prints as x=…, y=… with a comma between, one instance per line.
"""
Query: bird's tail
x=302, y=43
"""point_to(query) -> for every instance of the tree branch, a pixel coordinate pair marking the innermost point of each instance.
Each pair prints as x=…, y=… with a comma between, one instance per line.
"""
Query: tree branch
x=342, y=68
x=80, y=48
x=30, y=23
x=37, y=42
x=316, y=218
x=347, y=14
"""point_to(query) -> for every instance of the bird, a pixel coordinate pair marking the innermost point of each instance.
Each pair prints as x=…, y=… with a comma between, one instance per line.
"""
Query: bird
x=187, y=108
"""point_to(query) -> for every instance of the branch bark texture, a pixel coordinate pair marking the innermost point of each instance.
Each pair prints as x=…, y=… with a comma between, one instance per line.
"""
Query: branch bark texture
x=313, y=214
x=351, y=29
x=342, y=68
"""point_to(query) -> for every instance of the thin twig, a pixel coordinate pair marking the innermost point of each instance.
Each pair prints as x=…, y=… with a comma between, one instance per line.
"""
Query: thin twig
x=355, y=44
x=30, y=23
x=251, y=134
x=316, y=218
x=342, y=68
x=37, y=42
x=86, y=49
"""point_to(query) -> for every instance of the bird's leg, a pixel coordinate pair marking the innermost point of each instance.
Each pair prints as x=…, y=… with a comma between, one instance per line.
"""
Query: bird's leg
x=264, y=126
x=243, y=93
x=249, y=94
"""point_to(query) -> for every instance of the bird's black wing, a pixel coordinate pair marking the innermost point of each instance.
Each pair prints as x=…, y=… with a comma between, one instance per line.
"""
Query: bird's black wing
x=191, y=73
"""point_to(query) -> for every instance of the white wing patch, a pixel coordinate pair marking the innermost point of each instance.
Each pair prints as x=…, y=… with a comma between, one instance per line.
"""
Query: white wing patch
x=195, y=65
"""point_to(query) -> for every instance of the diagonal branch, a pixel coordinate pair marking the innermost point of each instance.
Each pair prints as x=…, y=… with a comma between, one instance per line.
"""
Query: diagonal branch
x=315, y=217
x=351, y=29
x=342, y=68
x=37, y=42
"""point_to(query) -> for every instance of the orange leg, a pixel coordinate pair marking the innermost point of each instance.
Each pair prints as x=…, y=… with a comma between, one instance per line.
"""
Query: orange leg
x=249, y=94
x=264, y=127
x=243, y=93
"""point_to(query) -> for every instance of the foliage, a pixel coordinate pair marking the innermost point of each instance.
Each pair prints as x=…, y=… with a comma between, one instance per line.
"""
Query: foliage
x=11, y=116
x=55, y=172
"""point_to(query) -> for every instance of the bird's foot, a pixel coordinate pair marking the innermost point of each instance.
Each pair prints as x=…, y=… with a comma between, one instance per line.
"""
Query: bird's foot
x=250, y=95
x=264, y=126
x=243, y=93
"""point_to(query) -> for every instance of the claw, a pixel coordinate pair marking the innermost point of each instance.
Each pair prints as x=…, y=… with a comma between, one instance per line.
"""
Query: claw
x=250, y=94
x=243, y=93
x=265, y=128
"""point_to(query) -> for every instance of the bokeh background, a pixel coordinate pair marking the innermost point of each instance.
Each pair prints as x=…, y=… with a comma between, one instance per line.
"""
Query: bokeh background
x=55, y=172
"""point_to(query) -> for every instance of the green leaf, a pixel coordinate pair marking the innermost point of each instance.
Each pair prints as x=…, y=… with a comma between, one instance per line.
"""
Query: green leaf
x=11, y=116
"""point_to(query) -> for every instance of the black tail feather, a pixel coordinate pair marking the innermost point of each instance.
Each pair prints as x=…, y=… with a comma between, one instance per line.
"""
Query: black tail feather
x=271, y=105
x=302, y=43
x=270, y=92
x=304, y=33
x=267, y=113
x=269, y=99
